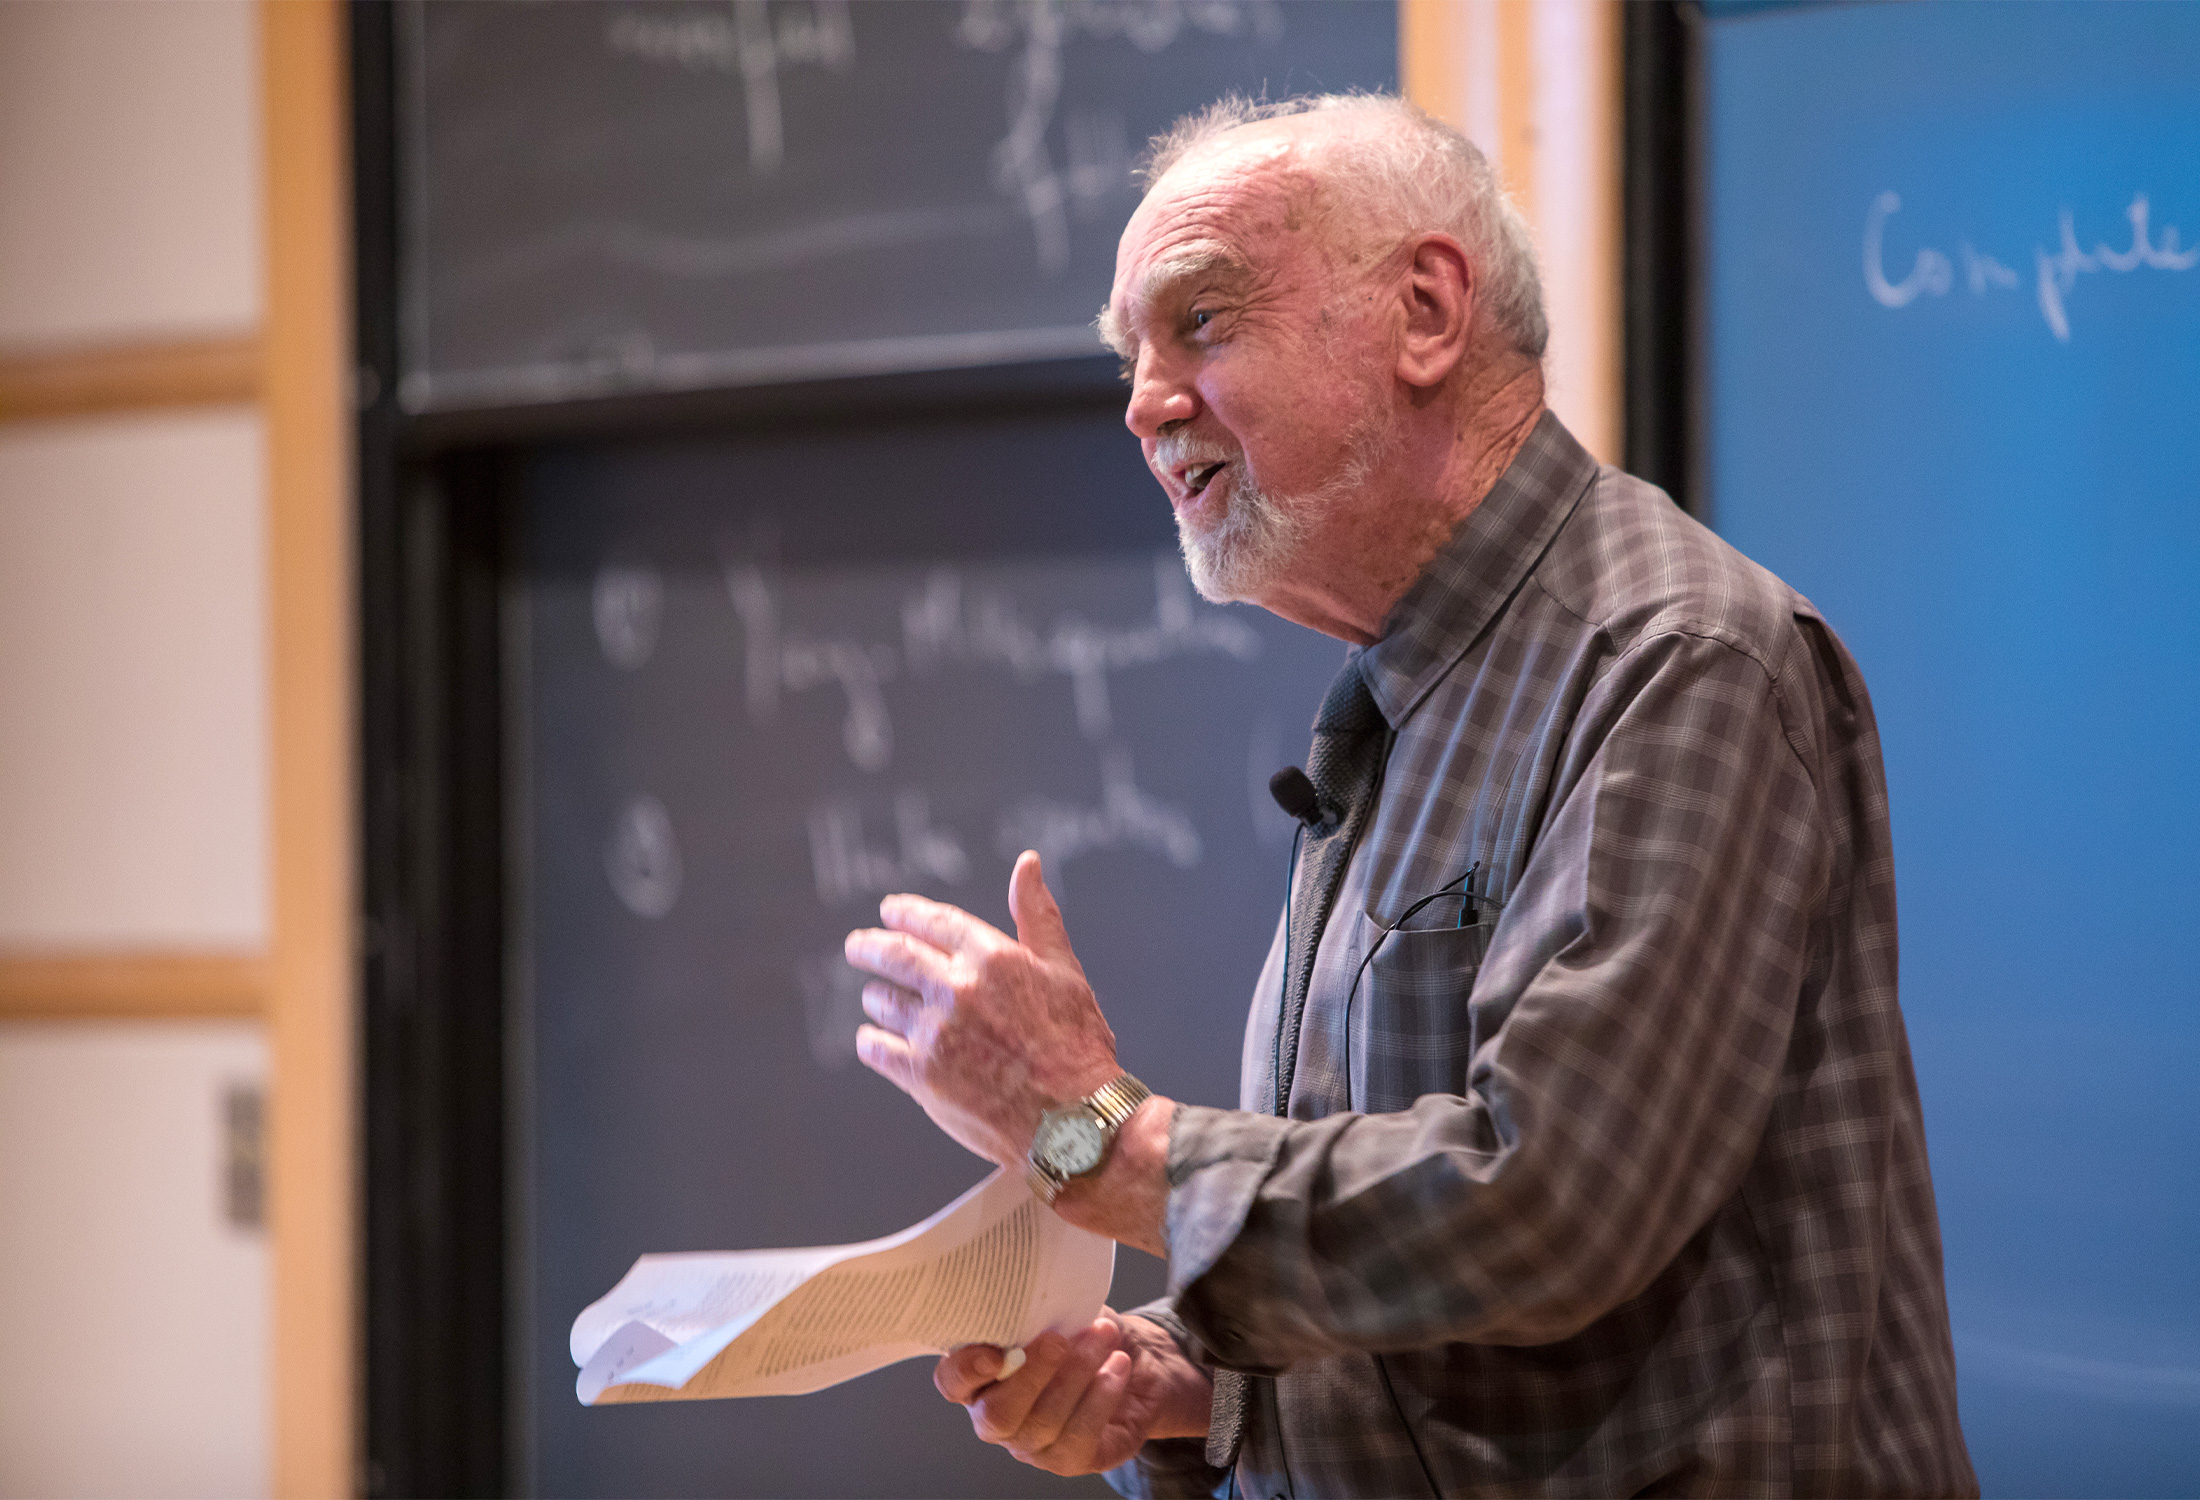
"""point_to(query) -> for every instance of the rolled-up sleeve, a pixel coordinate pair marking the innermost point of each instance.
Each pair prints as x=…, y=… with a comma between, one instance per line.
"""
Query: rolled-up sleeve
x=1631, y=1018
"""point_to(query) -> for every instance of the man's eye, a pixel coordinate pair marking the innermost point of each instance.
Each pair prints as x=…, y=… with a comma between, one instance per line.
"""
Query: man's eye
x=1201, y=318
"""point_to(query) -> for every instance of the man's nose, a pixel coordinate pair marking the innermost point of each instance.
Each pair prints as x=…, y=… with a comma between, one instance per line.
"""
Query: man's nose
x=1160, y=399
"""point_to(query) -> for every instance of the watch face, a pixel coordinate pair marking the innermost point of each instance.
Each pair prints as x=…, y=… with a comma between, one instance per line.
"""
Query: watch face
x=1072, y=1143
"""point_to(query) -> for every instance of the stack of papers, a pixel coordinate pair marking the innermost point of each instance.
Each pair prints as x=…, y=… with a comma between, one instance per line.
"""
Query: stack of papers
x=993, y=1267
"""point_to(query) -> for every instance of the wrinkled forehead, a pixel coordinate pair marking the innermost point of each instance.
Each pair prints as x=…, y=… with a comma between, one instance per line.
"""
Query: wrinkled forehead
x=1246, y=201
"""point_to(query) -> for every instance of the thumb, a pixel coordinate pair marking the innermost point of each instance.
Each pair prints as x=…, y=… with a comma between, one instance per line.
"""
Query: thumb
x=1038, y=920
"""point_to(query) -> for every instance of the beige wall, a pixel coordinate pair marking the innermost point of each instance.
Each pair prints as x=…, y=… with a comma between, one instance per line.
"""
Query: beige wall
x=129, y=170
x=133, y=811
x=1536, y=84
x=133, y=756
x=136, y=1312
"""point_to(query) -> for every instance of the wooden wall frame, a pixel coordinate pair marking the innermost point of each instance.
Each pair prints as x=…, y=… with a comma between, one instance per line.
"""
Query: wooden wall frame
x=312, y=1172
x=115, y=984
x=130, y=377
x=132, y=986
x=1537, y=85
x=298, y=369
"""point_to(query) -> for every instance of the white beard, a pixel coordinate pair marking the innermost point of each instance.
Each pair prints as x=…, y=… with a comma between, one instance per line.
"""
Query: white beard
x=1257, y=538
x=1261, y=535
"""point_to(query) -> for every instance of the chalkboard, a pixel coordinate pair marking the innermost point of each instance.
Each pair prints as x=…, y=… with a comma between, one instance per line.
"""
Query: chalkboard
x=1954, y=334
x=633, y=197
x=762, y=681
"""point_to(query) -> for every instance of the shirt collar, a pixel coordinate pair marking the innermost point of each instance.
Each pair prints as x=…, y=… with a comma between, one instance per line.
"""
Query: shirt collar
x=1476, y=573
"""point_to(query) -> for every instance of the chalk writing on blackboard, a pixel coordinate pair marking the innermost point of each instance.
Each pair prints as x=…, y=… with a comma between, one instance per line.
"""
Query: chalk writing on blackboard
x=846, y=865
x=1099, y=153
x=1933, y=274
x=1078, y=660
x=780, y=658
x=943, y=624
x=850, y=866
x=628, y=604
x=757, y=43
x=643, y=859
x=752, y=42
x=1124, y=817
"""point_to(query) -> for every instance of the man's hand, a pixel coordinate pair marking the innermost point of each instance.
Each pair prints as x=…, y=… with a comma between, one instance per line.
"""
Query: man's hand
x=985, y=1031
x=1082, y=1405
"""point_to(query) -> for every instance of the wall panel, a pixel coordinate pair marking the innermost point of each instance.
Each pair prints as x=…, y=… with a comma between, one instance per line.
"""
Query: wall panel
x=136, y=1313
x=129, y=170
x=133, y=760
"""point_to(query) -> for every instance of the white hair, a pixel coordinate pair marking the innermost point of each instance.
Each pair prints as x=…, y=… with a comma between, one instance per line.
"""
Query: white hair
x=1409, y=174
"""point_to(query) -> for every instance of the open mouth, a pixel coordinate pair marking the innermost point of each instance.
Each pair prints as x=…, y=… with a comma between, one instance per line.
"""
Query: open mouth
x=1197, y=479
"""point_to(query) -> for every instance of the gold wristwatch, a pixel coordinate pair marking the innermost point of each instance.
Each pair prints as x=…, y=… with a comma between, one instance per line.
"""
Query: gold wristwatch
x=1073, y=1140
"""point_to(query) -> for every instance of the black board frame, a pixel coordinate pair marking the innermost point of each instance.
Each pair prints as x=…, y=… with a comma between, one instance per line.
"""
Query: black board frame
x=429, y=540
x=1661, y=246
x=436, y=526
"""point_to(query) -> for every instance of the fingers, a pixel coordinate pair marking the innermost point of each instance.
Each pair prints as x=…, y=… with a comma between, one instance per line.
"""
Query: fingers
x=998, y=1411
x=1044, y=1423
x=962, y=1373
x=1038, y=917
x=897, y=957
x=1130, y=1429
x=943, y=926
x=1070, y=1409
x=888, y=1056
x=891, y=1006
x=1082, y=1443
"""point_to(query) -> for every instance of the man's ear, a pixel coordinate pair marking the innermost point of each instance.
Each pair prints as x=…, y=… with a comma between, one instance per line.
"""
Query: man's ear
x=1438, y=291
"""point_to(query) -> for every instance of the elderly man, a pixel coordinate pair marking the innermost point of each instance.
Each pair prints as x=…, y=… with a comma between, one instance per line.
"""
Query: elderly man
x=1579, y=1150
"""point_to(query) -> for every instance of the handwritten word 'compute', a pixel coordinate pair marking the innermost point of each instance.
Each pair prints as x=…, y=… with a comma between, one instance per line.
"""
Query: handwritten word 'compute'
x=1933, y=274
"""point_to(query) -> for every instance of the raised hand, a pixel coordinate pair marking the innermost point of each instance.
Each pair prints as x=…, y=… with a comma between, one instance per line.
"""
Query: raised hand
x=985, y=1031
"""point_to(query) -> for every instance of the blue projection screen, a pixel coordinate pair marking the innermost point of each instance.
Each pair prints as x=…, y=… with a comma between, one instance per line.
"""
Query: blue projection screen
x=1952, y=277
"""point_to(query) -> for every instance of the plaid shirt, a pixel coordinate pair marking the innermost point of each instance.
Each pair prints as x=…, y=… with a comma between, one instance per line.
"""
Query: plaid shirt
x=1636, y=1200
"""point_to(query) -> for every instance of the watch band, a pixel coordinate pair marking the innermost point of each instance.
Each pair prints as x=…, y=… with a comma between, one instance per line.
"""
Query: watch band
x=1117, y=1101
x=1111, y=1104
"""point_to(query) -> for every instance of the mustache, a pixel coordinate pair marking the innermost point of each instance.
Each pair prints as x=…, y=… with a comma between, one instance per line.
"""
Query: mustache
x=1177, y=450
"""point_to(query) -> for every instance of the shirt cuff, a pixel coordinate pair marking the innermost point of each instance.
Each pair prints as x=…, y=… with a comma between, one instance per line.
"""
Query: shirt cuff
x=1163, y=1315
x=1218, y=1160
x=1168, y=1469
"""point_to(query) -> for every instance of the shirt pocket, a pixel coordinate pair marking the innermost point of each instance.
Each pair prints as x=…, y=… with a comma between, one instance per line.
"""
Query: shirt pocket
x=1411, y=1029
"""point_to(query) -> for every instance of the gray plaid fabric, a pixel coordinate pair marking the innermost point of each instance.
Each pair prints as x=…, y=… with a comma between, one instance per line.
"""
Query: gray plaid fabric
x=1636, y=1201
x=1351, y=740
